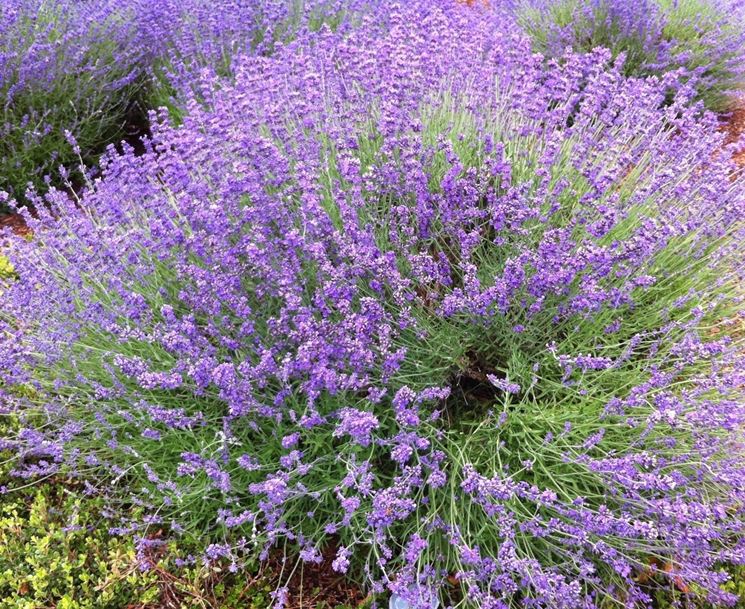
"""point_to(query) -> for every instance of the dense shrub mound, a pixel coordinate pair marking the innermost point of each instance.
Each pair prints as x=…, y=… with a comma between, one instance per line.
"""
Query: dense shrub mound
x=409, y=294
x=703, y=39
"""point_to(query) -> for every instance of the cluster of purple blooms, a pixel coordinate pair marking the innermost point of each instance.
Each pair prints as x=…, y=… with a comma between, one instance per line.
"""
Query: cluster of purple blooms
x=202, y=37
x=91, y=67
x=408, y=290
x=43, y=42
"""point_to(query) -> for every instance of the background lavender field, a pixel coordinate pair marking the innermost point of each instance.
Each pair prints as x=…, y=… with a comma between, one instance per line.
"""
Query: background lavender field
x=337, y=303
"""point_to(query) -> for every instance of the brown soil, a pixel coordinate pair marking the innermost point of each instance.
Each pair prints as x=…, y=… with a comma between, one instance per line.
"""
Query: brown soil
x=16, y=223
x=312, y=585
x=309, y=586
x=734, y=125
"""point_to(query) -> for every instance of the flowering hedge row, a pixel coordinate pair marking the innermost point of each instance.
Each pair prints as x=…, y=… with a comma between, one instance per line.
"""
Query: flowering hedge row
x=76, y=75
x=64, y=67
x=92, y=68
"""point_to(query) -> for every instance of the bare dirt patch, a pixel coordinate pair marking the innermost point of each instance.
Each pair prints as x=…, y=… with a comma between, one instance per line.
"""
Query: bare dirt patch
x=15, y=222
x=734, y=124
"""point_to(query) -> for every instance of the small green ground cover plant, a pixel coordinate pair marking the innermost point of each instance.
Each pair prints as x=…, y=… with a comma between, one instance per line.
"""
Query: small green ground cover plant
x=56, y=551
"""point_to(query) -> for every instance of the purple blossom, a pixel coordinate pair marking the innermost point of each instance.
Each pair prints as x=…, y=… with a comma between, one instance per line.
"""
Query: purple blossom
x=340, y=564
x=358, y=424
x=503, y=384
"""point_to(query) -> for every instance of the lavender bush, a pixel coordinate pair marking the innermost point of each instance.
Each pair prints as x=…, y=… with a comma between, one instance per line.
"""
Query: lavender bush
x=703, y=39
x=471, y=321
x=68, y=70
x=72, y=72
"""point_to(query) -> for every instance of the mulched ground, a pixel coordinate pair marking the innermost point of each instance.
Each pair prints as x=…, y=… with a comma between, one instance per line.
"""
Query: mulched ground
x=308, y=585
x=15, y=222
x=734, y=124
x=314, y=584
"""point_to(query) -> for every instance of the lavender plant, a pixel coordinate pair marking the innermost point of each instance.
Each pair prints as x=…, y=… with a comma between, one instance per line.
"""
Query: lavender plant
x=198, y=37
x=65, y=68
x=83, y=67
x=703, y=39
x=472, y=321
